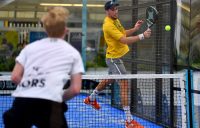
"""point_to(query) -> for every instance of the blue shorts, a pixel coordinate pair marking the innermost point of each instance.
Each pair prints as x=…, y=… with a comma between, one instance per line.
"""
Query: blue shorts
x=115, y=66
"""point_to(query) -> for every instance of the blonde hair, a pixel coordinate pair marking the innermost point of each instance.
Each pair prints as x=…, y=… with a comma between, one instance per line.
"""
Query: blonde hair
x=54, y=21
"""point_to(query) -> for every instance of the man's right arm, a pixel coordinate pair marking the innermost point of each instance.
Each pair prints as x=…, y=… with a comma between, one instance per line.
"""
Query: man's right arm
x=76, y=78
x=133, y=39
x=74, y=88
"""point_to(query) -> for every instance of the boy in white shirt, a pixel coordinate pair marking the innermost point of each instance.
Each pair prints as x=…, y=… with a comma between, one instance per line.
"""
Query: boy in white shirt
x=41, y=71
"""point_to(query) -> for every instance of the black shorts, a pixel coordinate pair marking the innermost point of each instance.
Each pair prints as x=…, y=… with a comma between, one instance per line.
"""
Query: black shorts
x=26, y=112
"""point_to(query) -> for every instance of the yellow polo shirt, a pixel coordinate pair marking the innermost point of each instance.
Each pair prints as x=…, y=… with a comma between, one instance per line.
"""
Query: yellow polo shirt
x=113, y=31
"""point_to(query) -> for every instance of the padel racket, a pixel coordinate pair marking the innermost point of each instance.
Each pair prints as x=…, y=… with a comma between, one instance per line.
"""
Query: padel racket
x=151, y=16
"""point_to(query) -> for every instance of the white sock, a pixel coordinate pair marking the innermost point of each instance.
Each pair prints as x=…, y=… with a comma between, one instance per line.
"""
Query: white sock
x=127, y=113
x=94, y=95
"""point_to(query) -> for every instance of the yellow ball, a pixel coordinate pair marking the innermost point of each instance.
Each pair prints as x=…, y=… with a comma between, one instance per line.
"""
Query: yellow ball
x=167, y=27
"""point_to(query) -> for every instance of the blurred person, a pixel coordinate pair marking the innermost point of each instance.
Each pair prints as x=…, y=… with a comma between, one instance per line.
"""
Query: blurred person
x=198, y=24
x=6, y=47
x=117, y=40
x=42, y=69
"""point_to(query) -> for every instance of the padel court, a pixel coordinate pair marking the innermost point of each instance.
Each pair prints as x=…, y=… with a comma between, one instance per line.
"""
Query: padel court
x=80, y=115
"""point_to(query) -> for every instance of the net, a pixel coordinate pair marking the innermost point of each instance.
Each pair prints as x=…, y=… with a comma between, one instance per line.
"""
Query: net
x=156, y=100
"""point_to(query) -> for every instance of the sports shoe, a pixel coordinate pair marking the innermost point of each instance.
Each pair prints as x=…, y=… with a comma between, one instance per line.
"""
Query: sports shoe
x=94, y=104
x=133, y=124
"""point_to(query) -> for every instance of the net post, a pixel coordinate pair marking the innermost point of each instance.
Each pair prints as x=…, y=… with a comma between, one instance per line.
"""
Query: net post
x=183, y=87
x=134, y=63
x=159, y=102
x=171, y=103
x=192, y=99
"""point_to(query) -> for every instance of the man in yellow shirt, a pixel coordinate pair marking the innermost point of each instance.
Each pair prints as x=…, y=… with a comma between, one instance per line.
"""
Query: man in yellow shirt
x=117, y=40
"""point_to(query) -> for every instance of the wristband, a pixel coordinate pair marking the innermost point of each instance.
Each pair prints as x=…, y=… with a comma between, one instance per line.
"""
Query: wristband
x=141, y=36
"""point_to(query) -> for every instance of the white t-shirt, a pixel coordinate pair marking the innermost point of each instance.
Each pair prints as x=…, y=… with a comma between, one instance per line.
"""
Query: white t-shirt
x=47, y=63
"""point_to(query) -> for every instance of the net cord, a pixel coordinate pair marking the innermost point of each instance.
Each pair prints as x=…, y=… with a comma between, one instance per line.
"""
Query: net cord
x=128, y=76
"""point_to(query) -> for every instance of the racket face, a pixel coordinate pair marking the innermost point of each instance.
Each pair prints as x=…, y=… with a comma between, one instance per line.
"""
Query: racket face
x=151, y=16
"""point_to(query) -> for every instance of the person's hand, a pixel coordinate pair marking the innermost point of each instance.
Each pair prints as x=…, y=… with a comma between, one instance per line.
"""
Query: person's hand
x=147, y=33
x=138, y=24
